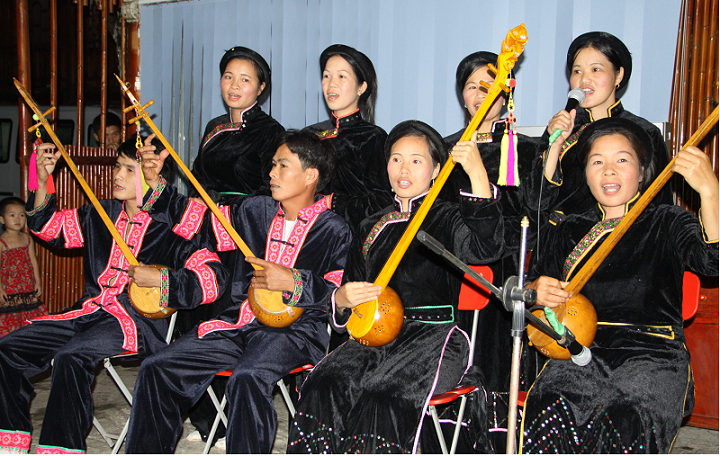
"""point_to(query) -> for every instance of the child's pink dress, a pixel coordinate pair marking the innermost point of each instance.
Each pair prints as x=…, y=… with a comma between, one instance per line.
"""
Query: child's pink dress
x=18, y=280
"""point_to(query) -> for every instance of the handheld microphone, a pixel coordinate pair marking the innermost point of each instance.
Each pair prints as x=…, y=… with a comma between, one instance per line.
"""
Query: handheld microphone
x=575, y=97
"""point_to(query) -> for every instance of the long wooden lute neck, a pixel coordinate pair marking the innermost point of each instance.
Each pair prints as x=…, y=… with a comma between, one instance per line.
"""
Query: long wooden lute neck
x=581, y=278
x=142, y=113
x=119, y=240
x=512, y=47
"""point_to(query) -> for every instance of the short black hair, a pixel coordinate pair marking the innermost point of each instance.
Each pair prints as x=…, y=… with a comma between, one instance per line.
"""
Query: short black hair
x=9, y=201
x=312, y=153
x=364, y=72
x=436, y=147
x=262, y=69
x=129, y=150
x=111, y=119
x=637, y=137
x=608, y=45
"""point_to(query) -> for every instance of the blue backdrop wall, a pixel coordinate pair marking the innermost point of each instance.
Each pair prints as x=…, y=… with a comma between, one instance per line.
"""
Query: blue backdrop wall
x=414, y=44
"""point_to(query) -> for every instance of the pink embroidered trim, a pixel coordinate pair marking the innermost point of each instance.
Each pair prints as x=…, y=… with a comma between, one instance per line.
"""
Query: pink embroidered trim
x=71, y=230
x=224, y=241
x=191, y=220
x=230, y=126
x=197, y=263
x=45, y=449
x=335, y=277
x=305, y=220
x=87, y=308
x=246, y=316
x=114, y=270
x=15, y=440
x=390, y=217
x=67, y=222
x=52, y=228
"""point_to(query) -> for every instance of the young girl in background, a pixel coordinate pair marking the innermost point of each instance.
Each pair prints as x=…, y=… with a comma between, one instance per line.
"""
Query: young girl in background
x=19, y=272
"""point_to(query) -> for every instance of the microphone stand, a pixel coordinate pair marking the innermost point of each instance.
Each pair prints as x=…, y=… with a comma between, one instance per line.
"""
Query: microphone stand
x=514, y=297
x=518, y=326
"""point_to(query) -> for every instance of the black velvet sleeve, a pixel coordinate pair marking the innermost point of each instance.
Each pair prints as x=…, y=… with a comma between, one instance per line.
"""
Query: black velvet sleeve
x=365, y=187
x=478, y=230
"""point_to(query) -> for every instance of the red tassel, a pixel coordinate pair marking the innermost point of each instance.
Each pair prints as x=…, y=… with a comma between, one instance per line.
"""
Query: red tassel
x=50, y=185
x=32, y=173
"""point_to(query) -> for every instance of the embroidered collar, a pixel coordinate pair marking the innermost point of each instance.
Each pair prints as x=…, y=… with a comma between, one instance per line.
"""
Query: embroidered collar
x=572, y=140
x=415, y=202
x=497, y=132
x=285, y=253
x=247, y=116
x=613, y=111
x=586, y=244
x=390, y=217
x=345, y=121
x=628, y=206
x=352, y=118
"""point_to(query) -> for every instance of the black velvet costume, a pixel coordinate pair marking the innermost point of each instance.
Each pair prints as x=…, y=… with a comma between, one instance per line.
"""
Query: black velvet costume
x=567, y=192
x=362, y=399
x=638, y=386
x=170, y=382
x=102, y=323
x=493, y=345
x=360, y=185
x=235, y=158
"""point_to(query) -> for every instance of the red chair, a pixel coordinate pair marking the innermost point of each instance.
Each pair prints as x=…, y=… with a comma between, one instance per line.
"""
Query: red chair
x=472, y=297
x=691, y=295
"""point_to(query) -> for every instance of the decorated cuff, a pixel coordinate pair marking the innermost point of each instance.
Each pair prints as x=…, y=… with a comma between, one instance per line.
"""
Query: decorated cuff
x=164, y=287
x=155, y=194
x=293, y=299
x=335, y=312
x=15, y=441
x=474, y=197
x=41, y=206
x=704, y=233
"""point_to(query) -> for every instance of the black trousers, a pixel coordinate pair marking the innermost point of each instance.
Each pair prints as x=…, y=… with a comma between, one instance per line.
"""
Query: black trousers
x=171, y=381
x=75, y=348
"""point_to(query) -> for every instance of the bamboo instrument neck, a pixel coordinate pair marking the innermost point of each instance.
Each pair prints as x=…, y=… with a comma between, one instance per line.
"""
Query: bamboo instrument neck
x=140, y=109
x=71, y=165
x=583, y=276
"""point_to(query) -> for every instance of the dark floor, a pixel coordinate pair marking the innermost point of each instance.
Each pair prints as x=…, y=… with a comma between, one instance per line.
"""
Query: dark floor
x=112, y=411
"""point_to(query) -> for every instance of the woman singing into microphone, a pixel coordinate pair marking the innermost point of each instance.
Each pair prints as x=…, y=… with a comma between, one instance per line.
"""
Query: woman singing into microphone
x=599, y=64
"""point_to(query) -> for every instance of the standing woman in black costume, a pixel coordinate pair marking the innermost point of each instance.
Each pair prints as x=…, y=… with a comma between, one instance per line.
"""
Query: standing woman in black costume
x=360, y=186
x=599, y=64
x=234, y=161
x=493, y=347
x=235, y=155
